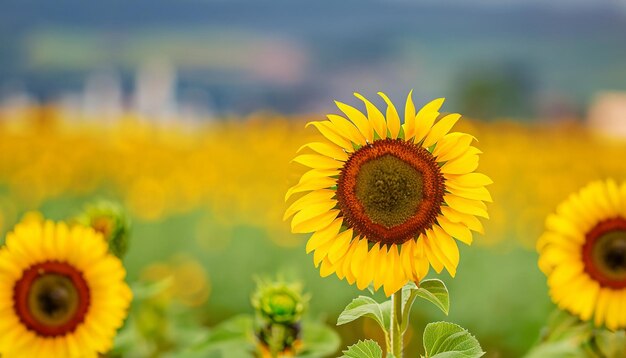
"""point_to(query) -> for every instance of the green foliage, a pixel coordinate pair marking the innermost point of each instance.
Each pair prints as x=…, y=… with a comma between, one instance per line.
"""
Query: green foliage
x=448, y=340
x=567, y=336
x=363, y=306
x=156, y=326
x=563, y=337
x=230, y=339
x=434, y=291
x=363, y=349
x=318, y=340
x=611, y=344
x=235, y=338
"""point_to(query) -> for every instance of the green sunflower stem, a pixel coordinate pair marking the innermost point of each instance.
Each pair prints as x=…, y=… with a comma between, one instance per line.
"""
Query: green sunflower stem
x=396, y=323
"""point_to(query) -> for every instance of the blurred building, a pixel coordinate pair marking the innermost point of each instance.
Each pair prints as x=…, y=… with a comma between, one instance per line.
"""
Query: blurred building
x=607, y=114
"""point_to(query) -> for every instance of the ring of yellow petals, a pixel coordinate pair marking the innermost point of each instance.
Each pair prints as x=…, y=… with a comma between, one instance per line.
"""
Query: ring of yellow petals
x=34, y=242
x=562, y=258
x=349, y=254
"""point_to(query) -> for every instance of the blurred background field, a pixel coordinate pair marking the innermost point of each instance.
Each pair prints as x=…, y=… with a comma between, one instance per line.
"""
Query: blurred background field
x=188, y=113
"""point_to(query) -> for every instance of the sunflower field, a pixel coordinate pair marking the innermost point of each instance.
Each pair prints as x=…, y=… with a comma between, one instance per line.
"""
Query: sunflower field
x=198, y=214
x=280, y=179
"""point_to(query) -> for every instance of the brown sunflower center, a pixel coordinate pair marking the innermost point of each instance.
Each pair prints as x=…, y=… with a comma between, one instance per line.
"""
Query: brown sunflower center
x=390, y=191
x=604, y=253
x=51, y=298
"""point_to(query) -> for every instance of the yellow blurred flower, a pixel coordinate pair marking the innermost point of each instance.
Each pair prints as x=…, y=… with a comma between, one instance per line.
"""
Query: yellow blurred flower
x=160, y=170
x=583, y=253
x=63, y=295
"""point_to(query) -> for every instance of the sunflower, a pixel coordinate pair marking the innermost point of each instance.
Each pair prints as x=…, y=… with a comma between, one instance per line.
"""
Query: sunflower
x=384, y=200
x=583, y=254
x=61, y=293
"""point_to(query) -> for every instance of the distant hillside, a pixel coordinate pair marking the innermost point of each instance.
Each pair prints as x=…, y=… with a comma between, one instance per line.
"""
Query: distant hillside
x=291, y=56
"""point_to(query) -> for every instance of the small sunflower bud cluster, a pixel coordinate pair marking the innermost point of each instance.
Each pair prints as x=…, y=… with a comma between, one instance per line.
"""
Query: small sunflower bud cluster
x=110, y=220
x=279, y=307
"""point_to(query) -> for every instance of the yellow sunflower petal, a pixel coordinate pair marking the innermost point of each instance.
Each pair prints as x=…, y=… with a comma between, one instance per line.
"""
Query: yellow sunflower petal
x=613, y=196
x=407, y=255
x=311, y=184
x=357, y=265
x=348, y=259
x=613, y=311
x=314, y=197
x=456, y=230
x=393, y=120
x=324, y=235
x=470, y=221
x=434, y=260
x=347, y=129
x=604, y=297
x=366, y=273
x=330, y=132
x=409, y=117
x=588, y=298
x=549, y=238
x=302, y=226
x=426, y=117
x=359, y=120
x=452, y=146
x=312, y=211
x=420, y=262
x=327, y=268
x=447, y=247
x=376, y=118
x=395, y=275
x=602, y=199
x=321, y=253
x=592, y=196
x=466, y=206
x=479, y=193
x=381, y=270
x=328, y=149
x=464, y=164
x=318, y=173
x=471, y=180
x=440, y=129
x=564, y=227
x=340, y=246
x=444, y=248
x=316, y=161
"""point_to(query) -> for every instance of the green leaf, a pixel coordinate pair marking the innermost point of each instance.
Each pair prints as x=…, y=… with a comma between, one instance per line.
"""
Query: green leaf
x=233, y=336
x=558, y=349
x=611, y=344
x=145, y=290
x=448, y=340
x=564, y=326
x=318, y=340
x=434, y=291
x=360, y=307
x=363, y=349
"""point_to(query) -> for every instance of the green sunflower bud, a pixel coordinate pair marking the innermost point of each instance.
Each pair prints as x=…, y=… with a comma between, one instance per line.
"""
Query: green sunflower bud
x=279, y=302
x=109, y=219
x=279, y=307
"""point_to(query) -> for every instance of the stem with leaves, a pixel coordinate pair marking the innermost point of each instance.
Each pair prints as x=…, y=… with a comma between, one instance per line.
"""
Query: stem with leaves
x=441, y=339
